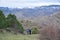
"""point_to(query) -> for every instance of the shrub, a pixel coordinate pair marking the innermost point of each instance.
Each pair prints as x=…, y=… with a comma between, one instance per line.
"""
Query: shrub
x=34, y=31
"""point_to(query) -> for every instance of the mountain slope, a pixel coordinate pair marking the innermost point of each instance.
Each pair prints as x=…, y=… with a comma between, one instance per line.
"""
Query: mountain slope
x=31, y=12
x=52, y=20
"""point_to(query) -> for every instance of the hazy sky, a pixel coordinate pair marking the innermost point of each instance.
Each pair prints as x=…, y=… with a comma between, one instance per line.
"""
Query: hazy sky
x=27, y=3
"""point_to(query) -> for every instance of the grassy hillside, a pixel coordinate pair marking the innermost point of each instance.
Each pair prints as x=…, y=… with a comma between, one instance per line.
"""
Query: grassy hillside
x=10, y=36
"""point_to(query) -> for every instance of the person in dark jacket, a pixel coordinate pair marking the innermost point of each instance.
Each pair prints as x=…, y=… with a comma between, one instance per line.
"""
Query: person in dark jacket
x=28, y=31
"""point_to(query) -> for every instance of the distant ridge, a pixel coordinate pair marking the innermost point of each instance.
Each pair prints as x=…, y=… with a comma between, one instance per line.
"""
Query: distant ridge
x=31, y=12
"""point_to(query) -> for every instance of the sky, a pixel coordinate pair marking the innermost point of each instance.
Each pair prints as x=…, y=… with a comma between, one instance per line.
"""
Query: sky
x=27, y=3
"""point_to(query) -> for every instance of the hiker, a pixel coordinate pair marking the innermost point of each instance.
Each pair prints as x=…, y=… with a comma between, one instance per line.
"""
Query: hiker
x=28, y=31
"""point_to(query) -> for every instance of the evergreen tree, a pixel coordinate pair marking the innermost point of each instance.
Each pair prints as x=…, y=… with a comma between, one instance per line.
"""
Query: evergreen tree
x=14, y=23
x=2, y=20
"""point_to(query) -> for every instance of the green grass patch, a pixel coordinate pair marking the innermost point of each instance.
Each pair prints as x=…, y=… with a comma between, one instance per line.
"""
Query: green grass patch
x=10, y=36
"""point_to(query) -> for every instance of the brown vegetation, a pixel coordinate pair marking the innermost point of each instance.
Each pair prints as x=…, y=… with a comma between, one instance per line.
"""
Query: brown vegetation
x=50, y=33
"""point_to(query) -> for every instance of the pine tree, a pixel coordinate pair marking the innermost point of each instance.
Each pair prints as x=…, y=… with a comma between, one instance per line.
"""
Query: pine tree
x=14, y=23
x=2, y=20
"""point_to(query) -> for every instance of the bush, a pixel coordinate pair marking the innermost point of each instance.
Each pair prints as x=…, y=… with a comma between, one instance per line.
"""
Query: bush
x=34, y=31
x=50, y=33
